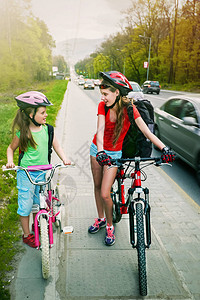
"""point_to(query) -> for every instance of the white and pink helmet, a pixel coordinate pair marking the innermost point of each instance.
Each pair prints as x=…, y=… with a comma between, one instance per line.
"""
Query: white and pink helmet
x=32, y=99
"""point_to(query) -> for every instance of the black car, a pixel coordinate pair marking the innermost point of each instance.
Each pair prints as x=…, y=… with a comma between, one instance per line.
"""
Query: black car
x=177, y=124
x=151, y=87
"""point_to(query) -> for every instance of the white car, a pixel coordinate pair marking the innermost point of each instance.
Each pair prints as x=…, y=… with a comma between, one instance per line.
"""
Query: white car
x=89, y=84
x=137, y=93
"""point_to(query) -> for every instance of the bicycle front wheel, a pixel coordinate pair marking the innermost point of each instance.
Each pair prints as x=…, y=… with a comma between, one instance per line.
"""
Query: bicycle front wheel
x=116, y=198
x=141, y=250
x=45, y=248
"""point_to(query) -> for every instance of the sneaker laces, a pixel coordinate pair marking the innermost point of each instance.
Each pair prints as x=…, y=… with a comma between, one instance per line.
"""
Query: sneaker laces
x=110, y=232
x=96, y=223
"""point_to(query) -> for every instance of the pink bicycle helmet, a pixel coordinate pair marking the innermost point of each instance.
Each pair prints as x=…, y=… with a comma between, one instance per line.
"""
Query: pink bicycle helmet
x=32, y=99
x=118, y=80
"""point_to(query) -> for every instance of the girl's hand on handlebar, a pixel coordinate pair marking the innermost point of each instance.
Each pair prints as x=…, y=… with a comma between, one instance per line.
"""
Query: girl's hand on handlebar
x=10, y=165
x=66, y=162
x=103, y=159
x=167, y=155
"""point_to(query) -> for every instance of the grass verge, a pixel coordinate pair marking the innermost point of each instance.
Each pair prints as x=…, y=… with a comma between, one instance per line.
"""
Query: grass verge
x=188, y=87
x=10, y=232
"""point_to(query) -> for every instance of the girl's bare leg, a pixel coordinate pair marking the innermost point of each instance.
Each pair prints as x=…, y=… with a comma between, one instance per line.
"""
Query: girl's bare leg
x=107, y=182
x=25, y=225
x=97, y=172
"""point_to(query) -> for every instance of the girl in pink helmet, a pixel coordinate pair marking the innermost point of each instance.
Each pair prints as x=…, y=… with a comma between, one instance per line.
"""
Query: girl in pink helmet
x=107, y=143
x=32, y=139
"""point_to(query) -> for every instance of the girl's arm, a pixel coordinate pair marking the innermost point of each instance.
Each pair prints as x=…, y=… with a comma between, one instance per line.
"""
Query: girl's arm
x=59, y=151
x=100, y=132
x=10, y=152
x=149, y=135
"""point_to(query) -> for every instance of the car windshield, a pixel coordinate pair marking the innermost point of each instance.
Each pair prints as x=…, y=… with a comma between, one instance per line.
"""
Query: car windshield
x=135, y=87
x=89, y=81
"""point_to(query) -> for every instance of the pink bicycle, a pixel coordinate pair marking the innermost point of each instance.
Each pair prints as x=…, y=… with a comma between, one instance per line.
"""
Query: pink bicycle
x=47, y=213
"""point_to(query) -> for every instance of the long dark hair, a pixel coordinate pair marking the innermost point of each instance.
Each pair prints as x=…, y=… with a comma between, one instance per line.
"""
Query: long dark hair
x=120, y=105
x=22, y=123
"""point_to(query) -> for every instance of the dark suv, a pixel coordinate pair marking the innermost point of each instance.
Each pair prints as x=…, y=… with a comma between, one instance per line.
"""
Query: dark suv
x=150, y=87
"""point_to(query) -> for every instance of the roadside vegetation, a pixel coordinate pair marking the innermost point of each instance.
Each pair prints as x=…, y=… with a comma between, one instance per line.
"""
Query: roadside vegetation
x=172, y=27
x=10, y=231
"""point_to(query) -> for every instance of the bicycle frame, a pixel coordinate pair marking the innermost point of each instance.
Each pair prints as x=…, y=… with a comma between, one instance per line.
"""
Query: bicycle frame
x=45, y=212
x=136, y=187
x=128, y=203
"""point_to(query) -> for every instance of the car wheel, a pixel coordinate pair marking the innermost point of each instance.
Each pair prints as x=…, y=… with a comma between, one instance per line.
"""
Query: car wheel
x=198, y=170
x=156, y=132
x=158, y=93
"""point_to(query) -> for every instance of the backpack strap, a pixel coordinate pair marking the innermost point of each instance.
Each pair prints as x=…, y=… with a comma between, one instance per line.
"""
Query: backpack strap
x=50, y=141
x=130, y=113
x=21, y=154
x=106, y=109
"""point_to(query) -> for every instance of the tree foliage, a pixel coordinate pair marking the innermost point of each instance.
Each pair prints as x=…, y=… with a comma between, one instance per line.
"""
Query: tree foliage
x=60, y=63
x=174, y=29
x=26, y=45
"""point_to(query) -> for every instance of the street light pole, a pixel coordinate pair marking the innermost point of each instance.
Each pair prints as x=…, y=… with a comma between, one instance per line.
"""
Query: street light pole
x=146, y=37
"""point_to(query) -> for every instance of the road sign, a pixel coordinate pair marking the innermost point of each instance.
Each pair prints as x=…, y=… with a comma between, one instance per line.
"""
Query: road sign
x=146, y=64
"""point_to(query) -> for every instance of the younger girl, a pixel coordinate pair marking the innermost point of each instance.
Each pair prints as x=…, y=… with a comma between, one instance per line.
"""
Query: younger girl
x=32, y=139
x=107, y=143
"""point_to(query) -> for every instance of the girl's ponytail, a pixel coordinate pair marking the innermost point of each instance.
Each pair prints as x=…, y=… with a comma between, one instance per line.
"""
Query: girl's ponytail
x=22, y=123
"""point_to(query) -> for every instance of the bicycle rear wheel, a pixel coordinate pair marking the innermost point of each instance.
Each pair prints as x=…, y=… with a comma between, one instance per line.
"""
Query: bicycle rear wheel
x=141, y=250
x=45, y=248
x=116, y=198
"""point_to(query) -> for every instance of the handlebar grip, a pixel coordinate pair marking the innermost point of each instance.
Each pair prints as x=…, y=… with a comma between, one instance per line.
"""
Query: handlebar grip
x=8, y=169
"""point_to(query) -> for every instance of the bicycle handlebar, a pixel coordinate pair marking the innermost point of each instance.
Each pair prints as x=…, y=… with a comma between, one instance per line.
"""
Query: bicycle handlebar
x=119, y=161
x=39, y=168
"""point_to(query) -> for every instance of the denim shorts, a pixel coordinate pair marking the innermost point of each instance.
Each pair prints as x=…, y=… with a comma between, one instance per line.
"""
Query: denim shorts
x=112, y=154
x=28, y=194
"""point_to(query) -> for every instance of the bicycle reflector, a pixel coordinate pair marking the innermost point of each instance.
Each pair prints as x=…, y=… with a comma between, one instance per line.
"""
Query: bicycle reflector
x=68, y=229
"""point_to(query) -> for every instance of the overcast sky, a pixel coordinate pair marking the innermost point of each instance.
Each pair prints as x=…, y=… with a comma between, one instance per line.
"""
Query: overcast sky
x=91, y=19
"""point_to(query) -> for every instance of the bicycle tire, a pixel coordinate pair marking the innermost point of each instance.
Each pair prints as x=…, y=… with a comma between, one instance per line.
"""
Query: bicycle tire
x=45, y=248
x=56, y=207
x=116, y=198
x=141, y=250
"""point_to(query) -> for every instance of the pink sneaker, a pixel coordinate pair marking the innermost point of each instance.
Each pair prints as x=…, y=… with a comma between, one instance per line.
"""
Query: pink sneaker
x=98, y=224
x=29, y=240
x=110, y=237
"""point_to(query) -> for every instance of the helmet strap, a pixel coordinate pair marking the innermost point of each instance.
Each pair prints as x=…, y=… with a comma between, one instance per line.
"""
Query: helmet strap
x=32, y=119
x=116, y=100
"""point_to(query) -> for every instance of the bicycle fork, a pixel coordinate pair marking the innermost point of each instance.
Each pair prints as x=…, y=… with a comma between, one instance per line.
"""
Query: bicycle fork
x=132, y=217
x=43, y=213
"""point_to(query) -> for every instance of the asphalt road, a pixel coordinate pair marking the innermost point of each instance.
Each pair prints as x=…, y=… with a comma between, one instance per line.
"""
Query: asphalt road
x=180, y=172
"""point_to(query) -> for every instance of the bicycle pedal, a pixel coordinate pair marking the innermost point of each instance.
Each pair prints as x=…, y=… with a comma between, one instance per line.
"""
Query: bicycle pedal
x=68, y=229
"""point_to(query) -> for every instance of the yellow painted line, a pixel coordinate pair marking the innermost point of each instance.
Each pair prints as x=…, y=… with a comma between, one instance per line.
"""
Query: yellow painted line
x=192, y=202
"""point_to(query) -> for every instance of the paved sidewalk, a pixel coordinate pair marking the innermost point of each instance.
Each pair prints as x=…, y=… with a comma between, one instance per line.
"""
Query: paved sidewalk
x=90, y=270
x=83, y=268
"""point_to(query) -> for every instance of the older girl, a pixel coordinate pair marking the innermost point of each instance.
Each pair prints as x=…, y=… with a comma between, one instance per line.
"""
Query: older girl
x=107, y=143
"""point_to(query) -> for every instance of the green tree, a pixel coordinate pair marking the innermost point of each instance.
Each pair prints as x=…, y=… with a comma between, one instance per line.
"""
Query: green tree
x=59, y=61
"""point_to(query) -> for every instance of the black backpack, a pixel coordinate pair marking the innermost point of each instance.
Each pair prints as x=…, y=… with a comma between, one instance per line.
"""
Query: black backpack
x=50, y=142
x=135, y=143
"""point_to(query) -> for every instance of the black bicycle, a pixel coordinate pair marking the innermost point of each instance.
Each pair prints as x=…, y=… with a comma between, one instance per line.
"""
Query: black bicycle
x=137, y=207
